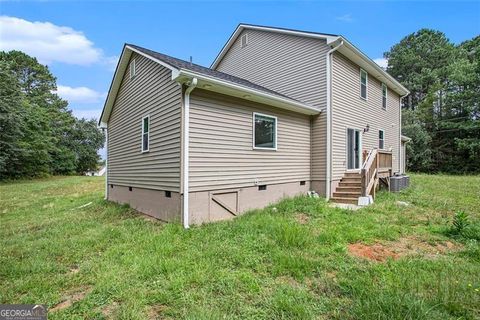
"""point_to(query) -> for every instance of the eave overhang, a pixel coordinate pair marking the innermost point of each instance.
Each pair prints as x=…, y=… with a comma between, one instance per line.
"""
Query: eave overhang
x=204, y=82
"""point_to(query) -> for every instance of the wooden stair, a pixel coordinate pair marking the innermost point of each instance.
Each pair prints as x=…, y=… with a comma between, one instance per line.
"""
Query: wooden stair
x=377, y=166
x=349, y=189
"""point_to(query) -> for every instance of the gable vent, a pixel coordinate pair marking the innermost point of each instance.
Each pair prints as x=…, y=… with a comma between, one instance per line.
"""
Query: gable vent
x=244, y=40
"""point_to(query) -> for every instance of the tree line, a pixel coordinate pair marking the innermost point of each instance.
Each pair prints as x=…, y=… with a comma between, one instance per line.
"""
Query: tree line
x=39, y=136
x=442, y=112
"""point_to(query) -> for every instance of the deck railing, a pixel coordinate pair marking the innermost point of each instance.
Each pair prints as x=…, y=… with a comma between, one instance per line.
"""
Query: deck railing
x=376, y=161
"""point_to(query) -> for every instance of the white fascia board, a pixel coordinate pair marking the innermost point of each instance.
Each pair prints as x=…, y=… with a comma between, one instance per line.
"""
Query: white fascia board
x=236, y=90
x=117, y=80
x=242, y=27
x=357, y=56
x=114, y=87
x=166, y=65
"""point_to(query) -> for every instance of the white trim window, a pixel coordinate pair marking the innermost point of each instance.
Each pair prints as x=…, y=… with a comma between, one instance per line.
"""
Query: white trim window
x=363, y=84
x=384, y=96
x=381, y=139
x=133, y=71
x=264, y=131
x=146, y=134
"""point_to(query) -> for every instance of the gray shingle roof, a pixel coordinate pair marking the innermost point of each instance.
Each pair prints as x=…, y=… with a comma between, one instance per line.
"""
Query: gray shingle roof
x=182, y=64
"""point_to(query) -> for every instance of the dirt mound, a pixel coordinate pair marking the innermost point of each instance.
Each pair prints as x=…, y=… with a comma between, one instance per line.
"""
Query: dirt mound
x=376, y=252
x=402, y=247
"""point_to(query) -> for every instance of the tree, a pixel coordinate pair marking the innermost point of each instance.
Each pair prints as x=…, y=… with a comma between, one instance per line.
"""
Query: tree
x=10, y=118
x=444, y=81
x=39, y=135
x=86, y=140
x=418, y=61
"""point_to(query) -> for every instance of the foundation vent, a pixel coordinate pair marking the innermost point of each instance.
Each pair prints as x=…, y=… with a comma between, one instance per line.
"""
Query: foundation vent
x=262, y=187
x=168, y=194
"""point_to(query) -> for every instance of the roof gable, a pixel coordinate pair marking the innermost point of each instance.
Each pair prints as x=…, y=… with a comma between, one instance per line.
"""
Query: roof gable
x=347, y=49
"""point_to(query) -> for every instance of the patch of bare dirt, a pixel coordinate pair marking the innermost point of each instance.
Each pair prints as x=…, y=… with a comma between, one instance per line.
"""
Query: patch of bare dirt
x=109, y=310
x=302, y=218
x=375, y=252
x=71, y=298
x=155, y=311
x=403, y=247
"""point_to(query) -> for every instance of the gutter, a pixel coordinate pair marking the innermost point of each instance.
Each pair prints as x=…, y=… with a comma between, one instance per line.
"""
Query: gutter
x=186, y=159
x=329, y=119
x=295, y=105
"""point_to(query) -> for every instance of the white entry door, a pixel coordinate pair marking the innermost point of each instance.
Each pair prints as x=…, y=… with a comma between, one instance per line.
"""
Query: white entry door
x=353, y=149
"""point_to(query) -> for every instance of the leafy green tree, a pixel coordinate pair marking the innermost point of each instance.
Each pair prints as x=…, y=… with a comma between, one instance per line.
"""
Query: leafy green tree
x=10, y=118
x=418, y=61
x=444, y=81
x=39, y=135
x=87, y=139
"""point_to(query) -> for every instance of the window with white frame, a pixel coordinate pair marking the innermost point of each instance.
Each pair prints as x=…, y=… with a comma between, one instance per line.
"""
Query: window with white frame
x=145, y=133
x=132, y=69
x=384, y=96
x=244, y=40
x=264, y=131
x=363, y=83
x=381, y=139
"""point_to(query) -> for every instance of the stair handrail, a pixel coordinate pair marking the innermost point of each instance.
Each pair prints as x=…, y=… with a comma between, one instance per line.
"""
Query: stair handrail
x=369, y=172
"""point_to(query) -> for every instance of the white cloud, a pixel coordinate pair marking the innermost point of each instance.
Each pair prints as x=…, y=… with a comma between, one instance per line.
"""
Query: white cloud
x=87, y=114
x=79, y=94
x=345, y=18
x=382, y=62
x=111, y=62
x=48, y=42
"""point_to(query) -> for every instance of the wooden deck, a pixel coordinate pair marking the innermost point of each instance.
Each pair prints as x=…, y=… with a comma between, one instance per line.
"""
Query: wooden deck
x=376, y=169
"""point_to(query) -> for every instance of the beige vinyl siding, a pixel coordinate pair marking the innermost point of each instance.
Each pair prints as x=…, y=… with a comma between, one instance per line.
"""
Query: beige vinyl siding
x=151, y=92
x=349, y=110
x=221, y=152
x=291, y=65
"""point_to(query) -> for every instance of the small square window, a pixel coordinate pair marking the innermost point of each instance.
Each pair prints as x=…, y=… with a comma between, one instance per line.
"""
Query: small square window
x=264, y=132
x=133, y=71
x=262, y=187
x=381, y=139
x=244, y=40
x=145, y=133
x=363, y=83
x=384, y=96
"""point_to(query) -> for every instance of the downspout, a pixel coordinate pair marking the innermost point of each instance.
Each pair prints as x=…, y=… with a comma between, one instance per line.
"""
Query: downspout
x=105, y=129
x=400, y=159
x=186, y=134
x=329, y=119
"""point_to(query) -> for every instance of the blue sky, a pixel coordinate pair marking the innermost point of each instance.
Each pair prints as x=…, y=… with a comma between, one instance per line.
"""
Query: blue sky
x=80, y=41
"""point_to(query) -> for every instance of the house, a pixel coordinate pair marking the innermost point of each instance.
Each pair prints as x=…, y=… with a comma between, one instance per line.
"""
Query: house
x=279, y=112
x=100, y=172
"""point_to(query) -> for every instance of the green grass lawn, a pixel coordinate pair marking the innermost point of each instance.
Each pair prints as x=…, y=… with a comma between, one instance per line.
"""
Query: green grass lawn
x=291, y=260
